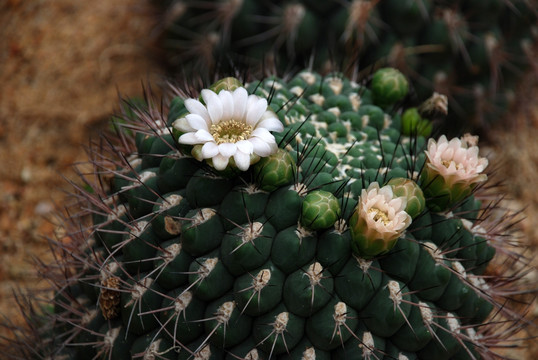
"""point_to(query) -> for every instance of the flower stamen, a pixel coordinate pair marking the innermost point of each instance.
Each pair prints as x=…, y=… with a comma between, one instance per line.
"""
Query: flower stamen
x=447, y=163
x=230, y=131
x=379, y=215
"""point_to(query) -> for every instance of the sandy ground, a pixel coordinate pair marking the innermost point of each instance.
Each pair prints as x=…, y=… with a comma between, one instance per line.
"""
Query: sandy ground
x=62, y=63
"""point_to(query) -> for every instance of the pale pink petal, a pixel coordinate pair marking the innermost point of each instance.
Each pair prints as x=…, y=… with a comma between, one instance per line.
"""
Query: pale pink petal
x=461, y=154
x=242, y=160
x=213, y=104
x=209, y=150
x=454, y=143
x=227, y=149
x=448, y=154
x=196, y=122
x=472, y=152
x=397, y=204
x=255, y=111
x=386, y=192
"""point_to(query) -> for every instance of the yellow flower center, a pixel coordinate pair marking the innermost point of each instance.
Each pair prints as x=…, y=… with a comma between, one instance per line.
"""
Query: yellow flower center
x=446, y=163
x=379, y=215
x=230, y=131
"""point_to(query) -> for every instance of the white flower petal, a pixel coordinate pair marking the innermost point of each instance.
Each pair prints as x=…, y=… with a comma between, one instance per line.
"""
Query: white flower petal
x=220, y=162
x=209, y=150
x=196, y=122
x=260, y=147
x=242, y=160
x=182, y=125
x=263, y=134
x=245, y=146
x=271, y=124
x=227, y=101
x=196, y=107
x=240, y=99
x=227, y=149
x=255, y=111
x=273, y=147
x=213, y=104
x=189, y=139
x=203, y=136
x=251, y=100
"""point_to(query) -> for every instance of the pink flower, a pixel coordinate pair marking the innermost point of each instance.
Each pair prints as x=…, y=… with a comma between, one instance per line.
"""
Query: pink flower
x=455, y=161
x=452, y=170
x=378, y=221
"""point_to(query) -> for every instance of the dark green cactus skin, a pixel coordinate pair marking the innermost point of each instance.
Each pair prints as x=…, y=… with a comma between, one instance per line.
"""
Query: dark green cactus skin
x=475, y=52
x=237, y=272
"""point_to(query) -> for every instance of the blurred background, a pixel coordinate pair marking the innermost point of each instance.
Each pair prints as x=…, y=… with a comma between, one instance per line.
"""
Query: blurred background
x=64, y=65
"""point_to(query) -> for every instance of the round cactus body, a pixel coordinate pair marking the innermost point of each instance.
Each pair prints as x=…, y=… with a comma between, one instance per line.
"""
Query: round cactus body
x=329, y=244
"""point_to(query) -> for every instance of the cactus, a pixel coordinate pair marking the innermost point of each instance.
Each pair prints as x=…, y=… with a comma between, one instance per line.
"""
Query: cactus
x=475, y=52
x=282, y=219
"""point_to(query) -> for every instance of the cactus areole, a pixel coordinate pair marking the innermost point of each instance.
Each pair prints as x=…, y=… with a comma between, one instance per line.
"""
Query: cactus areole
x=280, y=219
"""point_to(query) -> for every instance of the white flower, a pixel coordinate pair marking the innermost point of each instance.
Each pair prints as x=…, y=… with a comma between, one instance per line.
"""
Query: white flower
x=231, y=124
x=455, y=161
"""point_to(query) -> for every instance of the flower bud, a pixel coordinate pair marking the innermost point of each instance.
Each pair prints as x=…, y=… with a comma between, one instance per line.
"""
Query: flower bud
x=275, y=170
x=409, y=189
x=320, y=210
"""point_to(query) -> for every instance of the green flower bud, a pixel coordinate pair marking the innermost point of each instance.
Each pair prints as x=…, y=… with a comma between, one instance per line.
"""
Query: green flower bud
x=388, y=86
x=414, y=124
x=320, y=210
x=275, y=171
x=402, y=187
x=229, y=83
